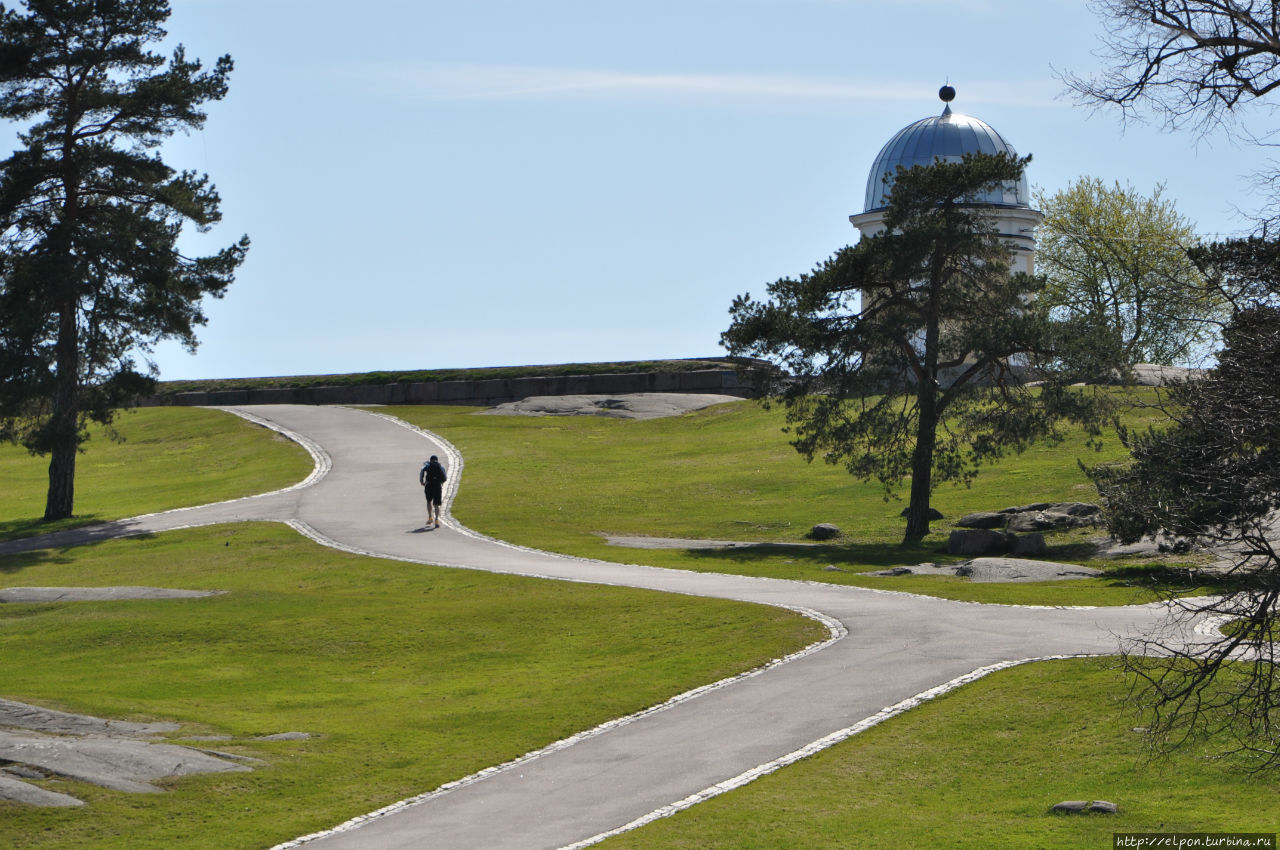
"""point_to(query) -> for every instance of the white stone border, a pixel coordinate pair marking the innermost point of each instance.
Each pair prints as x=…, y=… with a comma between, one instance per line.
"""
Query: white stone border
x=321, y=464
x=1211, y=626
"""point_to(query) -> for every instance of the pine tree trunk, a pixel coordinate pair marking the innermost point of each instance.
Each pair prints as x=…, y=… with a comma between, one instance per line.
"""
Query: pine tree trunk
x=64, y=422
x=921, y=475
x=926, y=415
x=60, y=501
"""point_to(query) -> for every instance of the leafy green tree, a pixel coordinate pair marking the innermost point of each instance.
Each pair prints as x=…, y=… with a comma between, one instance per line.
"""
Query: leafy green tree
x=90, y=218
x=1213, y=475
x=1117, y=268
x=905, y=355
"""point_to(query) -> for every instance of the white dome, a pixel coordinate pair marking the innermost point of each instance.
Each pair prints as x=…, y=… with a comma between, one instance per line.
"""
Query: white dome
x=947, y=137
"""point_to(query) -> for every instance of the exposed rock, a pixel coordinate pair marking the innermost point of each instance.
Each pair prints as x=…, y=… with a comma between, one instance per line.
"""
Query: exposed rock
x=1021, y=570
x=918, y=570
x=1077, y=509
x=642, y=542
x=934, y=513
x=1030, y=521
x=996, y=570
x=25, y=716
x=625, y=406
x=33, y=795
x=286, y=736
x=110, y=753
x=824, y=531
x=97, y=594
x=1029, y=544
x=1080, y=807
x=979, y=541
x=22, y=771
x=120, y=763
x=1072, y=807
x=1051, y=516
x=983, y=519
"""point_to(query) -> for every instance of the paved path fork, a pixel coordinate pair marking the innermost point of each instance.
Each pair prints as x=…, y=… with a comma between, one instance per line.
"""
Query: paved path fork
x=886, y=649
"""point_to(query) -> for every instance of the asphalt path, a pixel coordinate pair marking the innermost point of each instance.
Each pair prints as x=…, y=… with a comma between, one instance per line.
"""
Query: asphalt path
x=886, y=652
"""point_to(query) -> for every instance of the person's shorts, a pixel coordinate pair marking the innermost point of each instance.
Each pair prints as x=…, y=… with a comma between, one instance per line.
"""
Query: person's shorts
x=434, y=493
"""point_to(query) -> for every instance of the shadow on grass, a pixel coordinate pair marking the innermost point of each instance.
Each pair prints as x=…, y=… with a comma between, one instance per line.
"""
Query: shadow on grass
x=14, y=529
x=23, y=552
x=1167, y=579
x=857, y=556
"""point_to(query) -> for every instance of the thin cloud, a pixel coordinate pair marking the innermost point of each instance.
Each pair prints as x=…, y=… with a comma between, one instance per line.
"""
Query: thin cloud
x=473, y=82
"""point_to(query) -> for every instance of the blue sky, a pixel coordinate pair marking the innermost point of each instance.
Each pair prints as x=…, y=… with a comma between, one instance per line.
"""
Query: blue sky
x=500, y=182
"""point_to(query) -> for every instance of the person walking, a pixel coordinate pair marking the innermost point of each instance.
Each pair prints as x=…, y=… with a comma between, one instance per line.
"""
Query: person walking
x=432, y=477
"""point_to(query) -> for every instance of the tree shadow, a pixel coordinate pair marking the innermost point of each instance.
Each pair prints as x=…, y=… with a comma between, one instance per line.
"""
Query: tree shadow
x=1167, y=578
x=24, y=552
x=14, y=529
x=864, y=555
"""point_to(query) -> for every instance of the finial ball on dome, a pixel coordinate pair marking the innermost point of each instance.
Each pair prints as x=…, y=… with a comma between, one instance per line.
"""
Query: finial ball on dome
x=947, y=94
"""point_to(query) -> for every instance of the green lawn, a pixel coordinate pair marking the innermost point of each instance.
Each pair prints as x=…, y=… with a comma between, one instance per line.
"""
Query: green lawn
x=727, y=472
x=170, y=457
x=408, y=676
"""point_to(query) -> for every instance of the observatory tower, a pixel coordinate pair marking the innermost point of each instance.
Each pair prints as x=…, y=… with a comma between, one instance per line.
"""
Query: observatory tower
x=949, y=137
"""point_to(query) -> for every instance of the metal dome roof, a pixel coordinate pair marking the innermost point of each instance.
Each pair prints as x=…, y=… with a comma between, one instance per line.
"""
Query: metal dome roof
x=947, y=137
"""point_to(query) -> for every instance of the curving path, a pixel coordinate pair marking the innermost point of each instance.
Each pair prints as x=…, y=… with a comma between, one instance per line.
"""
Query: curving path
x=887, y=651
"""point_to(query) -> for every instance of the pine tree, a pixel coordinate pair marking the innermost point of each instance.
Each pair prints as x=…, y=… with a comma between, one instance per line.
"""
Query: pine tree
x=90, y=271
x=905, y=354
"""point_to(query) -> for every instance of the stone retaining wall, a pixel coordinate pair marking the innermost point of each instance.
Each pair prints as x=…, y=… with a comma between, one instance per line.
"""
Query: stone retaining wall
x=485, y=393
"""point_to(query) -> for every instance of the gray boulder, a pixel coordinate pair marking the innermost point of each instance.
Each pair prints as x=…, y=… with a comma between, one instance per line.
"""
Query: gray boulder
x=1030, y=521
x=1029, y=544
x=1022, y=509
x=824, y=531
x=983, y=519
x=1056, y=516
x=33, y=795
x=978, y=541
x=1077, y=509
x=1070, y=807
x=1000, y=569
x=1081, y=807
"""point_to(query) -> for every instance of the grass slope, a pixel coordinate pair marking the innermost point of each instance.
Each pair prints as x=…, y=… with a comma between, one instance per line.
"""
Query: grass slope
x=408, y=676
x=727, y=472
x=167, y=458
